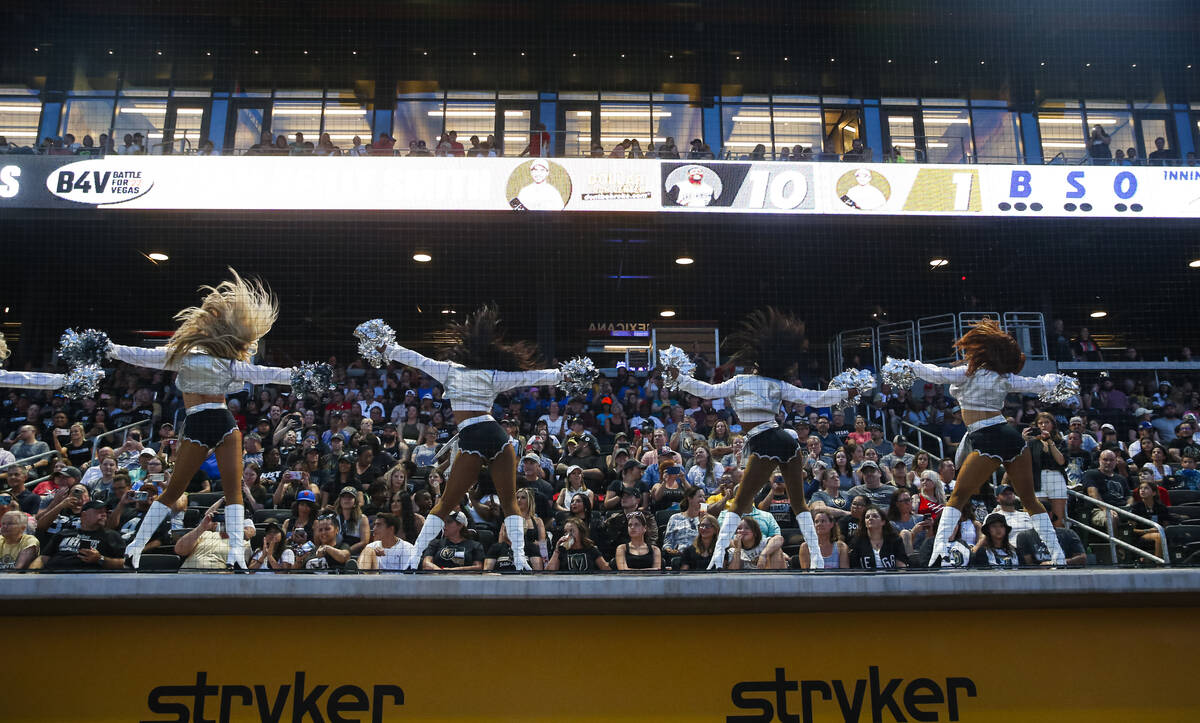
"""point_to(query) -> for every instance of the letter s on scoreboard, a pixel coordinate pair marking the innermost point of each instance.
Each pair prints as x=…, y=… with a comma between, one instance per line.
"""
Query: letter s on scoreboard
x=10, y=186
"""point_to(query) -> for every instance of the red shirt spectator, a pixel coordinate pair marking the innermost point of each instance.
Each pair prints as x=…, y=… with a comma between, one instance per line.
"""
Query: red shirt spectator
x=383, y=146
x=539, y=142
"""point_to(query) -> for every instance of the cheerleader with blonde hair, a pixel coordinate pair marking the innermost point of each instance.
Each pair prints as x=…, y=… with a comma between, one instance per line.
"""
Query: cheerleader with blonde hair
x=979, y=383
x=210, y=353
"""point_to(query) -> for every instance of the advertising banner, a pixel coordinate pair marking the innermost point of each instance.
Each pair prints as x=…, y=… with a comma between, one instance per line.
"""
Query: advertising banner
x=984, y=665
x=584, y=184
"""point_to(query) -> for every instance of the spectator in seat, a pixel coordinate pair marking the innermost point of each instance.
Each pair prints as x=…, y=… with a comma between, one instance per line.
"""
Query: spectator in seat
x=615, y=525
x=830, y=546
x=388, y=551
x=837, y=501
x=452, y=551
x=327, y=553
x=1160, y=156
x=352, y=523
x=639, y=553
x=958, y=553
x=697, y=555
x=206, y=547
x=274, y=555
x=751, y=549
x=931, y=492
x=1107, y=485
x=575, y=551
x=683, y=526
x=876, y=544
x=574, y=484
x=1150, y=507
x=28, y=445
x=912, y=526
x=631, y=479
x=89, y=545
x=1006, y=505
x=1032, y=551
x=670, y=490
x=18, y=549
x=873, y=487
x=705, y=471
x=16, y=477
x=304, y=514
x=993, y=549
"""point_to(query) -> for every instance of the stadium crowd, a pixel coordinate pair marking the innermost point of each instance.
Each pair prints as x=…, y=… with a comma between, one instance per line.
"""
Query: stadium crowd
x=629, y=477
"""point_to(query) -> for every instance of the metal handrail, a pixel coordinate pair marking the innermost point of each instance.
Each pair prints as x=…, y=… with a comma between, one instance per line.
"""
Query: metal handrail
x=941, y=447
x=125, y=429
x=31, y=484
x=1113, y=542
x=47, y=453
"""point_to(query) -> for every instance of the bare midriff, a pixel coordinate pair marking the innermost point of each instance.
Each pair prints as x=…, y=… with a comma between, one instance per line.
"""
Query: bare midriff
x=970, y=416
x=461, y=416
x=191, y=400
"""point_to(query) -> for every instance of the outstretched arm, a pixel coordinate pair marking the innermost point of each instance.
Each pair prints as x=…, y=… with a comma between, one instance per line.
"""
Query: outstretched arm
x=532, y=378
x=812, y=397
x=31, y=380
x=140, y=356
x=256, y=374
x=704, y=390
x=436, y=369
x=940, y=375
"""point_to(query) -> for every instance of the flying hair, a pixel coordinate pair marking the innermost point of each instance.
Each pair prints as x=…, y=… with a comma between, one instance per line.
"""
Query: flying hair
x=987, y=346
x=4, y=351
x=230, y=320
x=478, y=343
x=770, y=341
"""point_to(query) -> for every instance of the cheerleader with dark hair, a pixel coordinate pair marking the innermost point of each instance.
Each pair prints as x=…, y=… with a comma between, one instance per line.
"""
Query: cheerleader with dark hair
x=769, y=343
x=477, y=366
x=209, y=353
x=980, y=382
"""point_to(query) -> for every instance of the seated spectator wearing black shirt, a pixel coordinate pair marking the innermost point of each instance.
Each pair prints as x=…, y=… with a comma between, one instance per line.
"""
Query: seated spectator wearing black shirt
x=327, y=553
x=499, y=557
x=1150, y=507
x=697, y=555
x=849, y=525
x=993, y=549
x=17, y=476
x=128, y=510
x=1160, y=156
x=639, y=553
x=1033, y=553
x=90, y=545
x=452, y=551
x=615, y=530
x=1183, y=444
x=631, y=479
x=876, y=544
x=1107, y=485
x=575, y=551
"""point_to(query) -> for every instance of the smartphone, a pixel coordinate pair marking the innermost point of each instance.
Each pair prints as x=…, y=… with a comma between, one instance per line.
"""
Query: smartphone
x=295, y=475
x=141, y=496
x=157, y=478
x=5, y=500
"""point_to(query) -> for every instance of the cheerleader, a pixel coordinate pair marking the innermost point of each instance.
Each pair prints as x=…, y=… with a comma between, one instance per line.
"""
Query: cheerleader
x=769, y=342
x=987, y=373
x=479, y=365
x=45, y=380
x=209, y=353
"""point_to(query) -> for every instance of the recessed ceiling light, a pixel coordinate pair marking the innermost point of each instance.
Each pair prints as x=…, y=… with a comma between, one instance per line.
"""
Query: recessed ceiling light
x=157, y=256
x=685, y=260
x=785, y=58
x=666, y=313
x=447, y=311
x=110, y=52
x=1194, y=263
x=938, y=262
x=1098, y=314
x=422, y=258
x=158, y=52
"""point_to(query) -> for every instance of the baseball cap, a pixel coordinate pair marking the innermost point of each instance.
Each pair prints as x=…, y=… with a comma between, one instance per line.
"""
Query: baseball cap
x=899, y=439
x=1145, y=425
x=347, y=490
x=532, y=458
x=997, y=517
x=631, y=491
x=1142, y=410
x=457, y=516
x=72, y=472
x=306, y=496
x=1002, y=490
x=574, y=468
x=1108, y=427
x=869, y=464
x=95, y=505
x=632, y=464
x=1076, y=420
x=146, y=453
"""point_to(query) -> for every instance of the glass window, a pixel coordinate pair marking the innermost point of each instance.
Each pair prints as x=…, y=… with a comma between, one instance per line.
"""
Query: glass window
x=577, y=133
x=87, y=117
x=679, y=121
x=146, y=79
x=590, y=95
x=902, y=133
x=95, y=75
x=1154, y=128
x=743, y=128
x=345, y=120
x=19, y=120
x=1118, y=124
x=291, y=117
x=1062, y=133
x=472, y=119
x=947, y=135
x=619, y=122
x=796, y=126
x=636, y=97
x=518, y=95
x=517, y=122
x=418, y=120
x=996, y=136
x=843, y=126
x=142, y=115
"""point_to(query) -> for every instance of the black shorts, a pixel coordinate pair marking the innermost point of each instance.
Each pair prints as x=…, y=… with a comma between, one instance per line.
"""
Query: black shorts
x=999, y=441
x=208, y=427
x=485, y=439
x=774, y=444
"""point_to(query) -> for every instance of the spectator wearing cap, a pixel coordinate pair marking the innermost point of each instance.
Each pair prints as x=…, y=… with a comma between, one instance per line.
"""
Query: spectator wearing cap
x=90, y=544
x=632, y=480
x=206, y=546
x=387, y=551
x=1168, y=421
x=1087, y=441
x=352, y=523
x=1184, y=444
x=586, y=454
x=128, y=510
x=872, y=486
x=1006, y=505
x=453, y=551
x=61, y=479
x=18, y=549
x=994, y=548
x=898, y=453
x=1139, y=449
x=304, y=514
x=273, y=555
x=573, y=484
x=328, y=552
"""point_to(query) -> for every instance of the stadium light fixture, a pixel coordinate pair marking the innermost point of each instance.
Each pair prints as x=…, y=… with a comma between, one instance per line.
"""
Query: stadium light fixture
x=938, y=262
x=1098, y=314
x=666, y=313
x=422, y=257
x=685, y=259
x=1194, y=263
x=158, y=256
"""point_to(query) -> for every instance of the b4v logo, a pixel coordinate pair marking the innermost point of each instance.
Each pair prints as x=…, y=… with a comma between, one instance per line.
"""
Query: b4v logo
x=98, y=183
x=923, y=699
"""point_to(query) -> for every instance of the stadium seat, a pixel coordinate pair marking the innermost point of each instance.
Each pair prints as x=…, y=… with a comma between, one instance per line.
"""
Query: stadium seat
x=160, y=563
x=662, y=517
x=1182, y=542
x=203, y=500
x=261, y=516
x=1185, y=497
x=191, y=516
x=1185, y=512
x=486, y=537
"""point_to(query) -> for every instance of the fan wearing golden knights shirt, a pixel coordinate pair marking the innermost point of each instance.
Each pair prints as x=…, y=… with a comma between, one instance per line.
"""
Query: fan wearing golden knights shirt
x=769, y=342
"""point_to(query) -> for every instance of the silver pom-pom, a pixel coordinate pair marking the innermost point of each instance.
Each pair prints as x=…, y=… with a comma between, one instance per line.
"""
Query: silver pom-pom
x=578, y=374
x=860, y=380
x=83, y=381
x=675, y=358
x=78, y=348
x=898, y=373
x=1064, y=388
x=374, y=336
x=311, y=378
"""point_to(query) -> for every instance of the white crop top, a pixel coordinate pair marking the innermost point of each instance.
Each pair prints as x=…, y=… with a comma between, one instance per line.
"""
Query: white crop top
x=31, y=380
x=985, y=390
x=472, y=390
x=200, y=373
x=757, y=399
